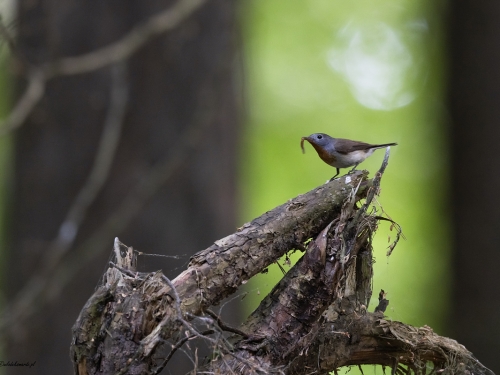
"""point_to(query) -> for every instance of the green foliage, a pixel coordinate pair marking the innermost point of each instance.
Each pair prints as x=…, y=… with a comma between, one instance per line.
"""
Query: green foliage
x=368, y=71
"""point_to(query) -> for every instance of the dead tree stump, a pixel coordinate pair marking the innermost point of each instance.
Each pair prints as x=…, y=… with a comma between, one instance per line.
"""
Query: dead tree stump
x=315, y=320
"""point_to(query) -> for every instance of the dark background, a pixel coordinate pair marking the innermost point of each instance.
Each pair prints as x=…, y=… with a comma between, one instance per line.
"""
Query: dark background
x=191, y=77
x=179, y=80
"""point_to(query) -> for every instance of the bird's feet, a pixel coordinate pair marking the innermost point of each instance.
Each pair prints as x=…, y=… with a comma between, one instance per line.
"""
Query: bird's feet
x=348, y=173
x=353, y=169
x=335, y=177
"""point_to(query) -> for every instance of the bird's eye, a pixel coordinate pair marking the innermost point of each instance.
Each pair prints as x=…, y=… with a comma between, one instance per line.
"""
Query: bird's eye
x=319, y=136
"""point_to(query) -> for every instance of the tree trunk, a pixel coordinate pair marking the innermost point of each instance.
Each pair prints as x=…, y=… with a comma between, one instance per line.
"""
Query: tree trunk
x=474, y=91
x=181, y=121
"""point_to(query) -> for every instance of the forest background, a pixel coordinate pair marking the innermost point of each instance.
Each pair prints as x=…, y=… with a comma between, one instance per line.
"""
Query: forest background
x=420, y=73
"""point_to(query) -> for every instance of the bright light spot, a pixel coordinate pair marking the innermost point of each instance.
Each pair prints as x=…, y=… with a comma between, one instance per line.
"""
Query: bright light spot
x=68, y=231
x=376, y=63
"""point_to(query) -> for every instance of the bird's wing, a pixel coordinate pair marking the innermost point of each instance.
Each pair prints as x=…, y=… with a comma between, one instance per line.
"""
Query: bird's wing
x=345, y=146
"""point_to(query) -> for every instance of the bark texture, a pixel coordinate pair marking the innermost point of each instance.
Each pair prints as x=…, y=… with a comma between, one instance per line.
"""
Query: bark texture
x=314, y=321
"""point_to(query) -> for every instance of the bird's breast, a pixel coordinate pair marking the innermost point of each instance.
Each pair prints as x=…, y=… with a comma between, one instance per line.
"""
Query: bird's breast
x=351, y=159
x=328, y=156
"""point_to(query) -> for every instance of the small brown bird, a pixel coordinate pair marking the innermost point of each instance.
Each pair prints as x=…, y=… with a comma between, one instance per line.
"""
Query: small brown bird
x=339, y=152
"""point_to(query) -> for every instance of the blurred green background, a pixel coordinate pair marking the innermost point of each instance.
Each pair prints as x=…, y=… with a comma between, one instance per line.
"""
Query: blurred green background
x=368, y=71
x=364, y=70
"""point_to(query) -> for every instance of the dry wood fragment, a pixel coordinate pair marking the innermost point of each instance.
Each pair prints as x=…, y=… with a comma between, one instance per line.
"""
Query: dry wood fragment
x=315, y=320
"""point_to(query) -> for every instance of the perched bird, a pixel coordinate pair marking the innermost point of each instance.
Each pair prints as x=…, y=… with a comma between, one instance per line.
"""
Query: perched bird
x=340, y=153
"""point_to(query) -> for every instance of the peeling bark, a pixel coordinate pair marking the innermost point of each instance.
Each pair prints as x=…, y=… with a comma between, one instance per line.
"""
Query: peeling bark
x=313, y=321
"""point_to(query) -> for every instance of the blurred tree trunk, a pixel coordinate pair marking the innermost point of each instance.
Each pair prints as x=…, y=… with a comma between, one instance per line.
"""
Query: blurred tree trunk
x=474, y=97
x=178, y=79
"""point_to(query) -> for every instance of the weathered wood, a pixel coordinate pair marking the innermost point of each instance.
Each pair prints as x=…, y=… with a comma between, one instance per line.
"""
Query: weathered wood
x=212, y=275
x=371, y=339
x=314, y=321
x=288, y=319
x=216, y=272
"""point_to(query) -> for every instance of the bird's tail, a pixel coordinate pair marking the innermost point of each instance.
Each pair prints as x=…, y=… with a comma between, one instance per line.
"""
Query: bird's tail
x=383, y=145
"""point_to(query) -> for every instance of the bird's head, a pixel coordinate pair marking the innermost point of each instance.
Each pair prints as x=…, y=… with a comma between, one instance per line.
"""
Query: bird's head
x=319, y=141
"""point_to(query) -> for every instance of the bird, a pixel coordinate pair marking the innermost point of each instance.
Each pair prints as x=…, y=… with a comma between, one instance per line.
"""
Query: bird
x=339, y=152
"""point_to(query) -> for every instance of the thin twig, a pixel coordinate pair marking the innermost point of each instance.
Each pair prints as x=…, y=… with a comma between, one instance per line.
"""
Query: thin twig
x=180, y=318
x=224, y=326
x=24, y=106
x=175, y=348
x=98, y=59
x=122, y=270
x=375, y=188
x=127, y=45
x=5, y=34
x=99, y=173
x=51, y=285
x=25, y=299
